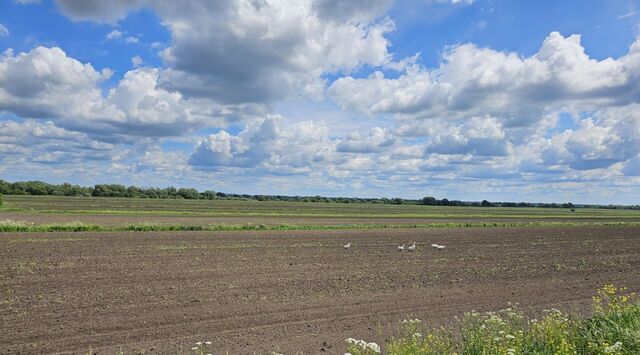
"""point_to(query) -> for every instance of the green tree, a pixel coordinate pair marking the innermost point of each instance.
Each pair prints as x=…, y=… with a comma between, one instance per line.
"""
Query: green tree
x=191, y=194
x=486, y=203
x=209, y=195
x=429, y=201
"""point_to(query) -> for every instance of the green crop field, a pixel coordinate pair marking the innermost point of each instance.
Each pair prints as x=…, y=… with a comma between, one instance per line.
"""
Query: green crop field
x=134, y=206
x=57, y=213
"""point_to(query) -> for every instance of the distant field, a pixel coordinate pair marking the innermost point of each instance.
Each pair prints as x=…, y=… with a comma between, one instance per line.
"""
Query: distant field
x=48, y=209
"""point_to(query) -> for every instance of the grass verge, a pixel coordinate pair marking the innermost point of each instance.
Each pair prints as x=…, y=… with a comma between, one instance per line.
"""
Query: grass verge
x=11, y=226
x=326, y=214
x=613, y=329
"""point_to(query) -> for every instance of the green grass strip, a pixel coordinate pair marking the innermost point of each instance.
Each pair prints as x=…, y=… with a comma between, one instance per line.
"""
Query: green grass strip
x=327, y=214
x=10, y=226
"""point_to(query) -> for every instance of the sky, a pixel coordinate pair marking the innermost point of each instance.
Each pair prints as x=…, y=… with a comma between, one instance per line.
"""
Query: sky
x=512, y=100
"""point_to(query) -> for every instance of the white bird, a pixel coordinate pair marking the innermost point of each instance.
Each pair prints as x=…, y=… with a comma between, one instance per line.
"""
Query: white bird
x=412, y=247
x=437, y=247
x=401, y=247
x=347, y=246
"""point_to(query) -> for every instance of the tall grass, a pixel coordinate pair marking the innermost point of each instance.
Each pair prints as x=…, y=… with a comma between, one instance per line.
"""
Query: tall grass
x=22, y=226
x=614, y=328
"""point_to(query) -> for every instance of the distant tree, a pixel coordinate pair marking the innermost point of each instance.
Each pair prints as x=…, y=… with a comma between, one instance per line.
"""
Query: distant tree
x=134, y=191
x=0, y=199
x=191, y=194
x=429, y=201
x=5, y=187
x=115, y=190
x=171, y=192
x=486, y=203
x=209, y=195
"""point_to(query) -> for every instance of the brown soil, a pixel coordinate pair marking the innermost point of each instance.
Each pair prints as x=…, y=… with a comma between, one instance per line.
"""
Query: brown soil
x=257, y=292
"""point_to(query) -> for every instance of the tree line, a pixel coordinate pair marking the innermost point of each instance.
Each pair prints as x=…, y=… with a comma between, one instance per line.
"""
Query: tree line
x=117, y=190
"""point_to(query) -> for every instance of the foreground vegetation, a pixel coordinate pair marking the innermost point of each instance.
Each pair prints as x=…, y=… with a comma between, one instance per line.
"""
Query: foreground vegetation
x=614, y=328
x=11, y=226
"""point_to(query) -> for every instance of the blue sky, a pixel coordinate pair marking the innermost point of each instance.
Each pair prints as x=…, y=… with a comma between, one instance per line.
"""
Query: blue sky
x=464, y=99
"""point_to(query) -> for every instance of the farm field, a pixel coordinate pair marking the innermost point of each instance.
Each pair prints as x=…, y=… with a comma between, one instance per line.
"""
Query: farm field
x=119, y=211
x=288, y=291
x=291, y=291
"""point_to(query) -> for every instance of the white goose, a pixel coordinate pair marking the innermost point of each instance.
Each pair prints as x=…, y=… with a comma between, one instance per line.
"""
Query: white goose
x=347, y=246
x=412, y=247
x=401, y=247
x=437, y=247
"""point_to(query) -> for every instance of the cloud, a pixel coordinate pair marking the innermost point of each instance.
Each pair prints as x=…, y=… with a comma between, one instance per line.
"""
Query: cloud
x=486, y=108
x=115, y=34
x=103, y=11
x=474, y=81
x=355, y=11
x=45, y=143
x=611, y=136
x=136, y=61
x=266, y=144
x=47, y=84
x=480, y=136
x=377, y=140
x=264, y=50
x=632, y=167
x=454, y=2
x=626, y=15
x=4, y=31
x=120, y=35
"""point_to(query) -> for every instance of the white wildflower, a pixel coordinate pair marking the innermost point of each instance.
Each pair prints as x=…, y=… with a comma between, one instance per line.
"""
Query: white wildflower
x=613, y=348
x=195, y=348
x=509, y=336
x=373, y=347
x=351, y=341
x=207, y=342
x=199, y=343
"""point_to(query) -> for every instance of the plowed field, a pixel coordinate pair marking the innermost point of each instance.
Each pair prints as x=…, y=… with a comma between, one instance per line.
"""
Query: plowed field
x=257, y=292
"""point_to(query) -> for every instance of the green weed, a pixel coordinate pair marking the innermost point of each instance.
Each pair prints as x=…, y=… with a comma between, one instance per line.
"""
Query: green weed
x=613, y=329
